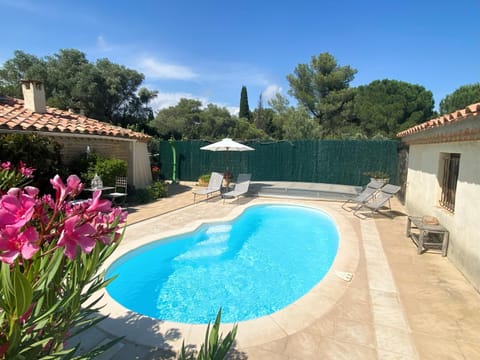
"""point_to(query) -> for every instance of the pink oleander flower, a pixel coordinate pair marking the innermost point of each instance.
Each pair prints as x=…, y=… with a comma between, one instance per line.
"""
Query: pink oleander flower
x=26, y=171
x=6, y=165
x=77, y=234
x=74, y=187
x=98, y=204
x=14, y=243
x=16, y=207
x=31, y=191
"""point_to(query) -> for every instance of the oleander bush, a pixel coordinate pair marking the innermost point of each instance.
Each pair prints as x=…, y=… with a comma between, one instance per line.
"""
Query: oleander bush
x=50, y=253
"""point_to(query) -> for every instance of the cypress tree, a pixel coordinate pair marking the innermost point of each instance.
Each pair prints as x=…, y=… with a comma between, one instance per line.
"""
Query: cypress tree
x=244, y=109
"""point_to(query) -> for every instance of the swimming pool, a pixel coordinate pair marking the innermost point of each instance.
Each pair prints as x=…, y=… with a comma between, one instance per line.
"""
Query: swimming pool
x=253, y=266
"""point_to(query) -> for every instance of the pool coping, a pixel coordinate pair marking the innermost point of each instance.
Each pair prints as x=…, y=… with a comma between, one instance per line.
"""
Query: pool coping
x=297, y=316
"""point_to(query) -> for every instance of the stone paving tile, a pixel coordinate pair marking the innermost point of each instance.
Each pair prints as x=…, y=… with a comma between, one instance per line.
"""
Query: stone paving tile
x=324, y=327
x=257, y=353
x=350, y=309
x=302, y=345
x=338, y=350
x=387, y=309
x=430, y=347
x=277, y=346
x=388, y=355
x=470, y=350
x=394, y=340
x=354, y=332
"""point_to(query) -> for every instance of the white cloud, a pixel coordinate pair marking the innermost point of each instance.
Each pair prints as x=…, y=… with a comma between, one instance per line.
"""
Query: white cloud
x=165, y=100
x=233, y=110
x=155, y=69
x=270, y=92
x=102, y=44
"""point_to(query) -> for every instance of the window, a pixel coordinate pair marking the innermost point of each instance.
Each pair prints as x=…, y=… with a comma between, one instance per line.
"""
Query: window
x=450, y=163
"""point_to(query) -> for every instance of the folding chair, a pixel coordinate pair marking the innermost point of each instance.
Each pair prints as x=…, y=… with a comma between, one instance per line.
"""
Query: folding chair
x=120, y=191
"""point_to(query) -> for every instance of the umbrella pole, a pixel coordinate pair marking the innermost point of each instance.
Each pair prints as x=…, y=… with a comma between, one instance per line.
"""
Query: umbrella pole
x=227, y=178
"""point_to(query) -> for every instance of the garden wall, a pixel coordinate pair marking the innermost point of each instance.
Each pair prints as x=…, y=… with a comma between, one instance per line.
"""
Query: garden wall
x=322, y=161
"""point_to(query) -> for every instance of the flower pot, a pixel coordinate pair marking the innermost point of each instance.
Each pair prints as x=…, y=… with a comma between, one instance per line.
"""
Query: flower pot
x=382, y=180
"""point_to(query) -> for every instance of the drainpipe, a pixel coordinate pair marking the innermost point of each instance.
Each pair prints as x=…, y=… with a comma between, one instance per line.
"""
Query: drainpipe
x=174, y=154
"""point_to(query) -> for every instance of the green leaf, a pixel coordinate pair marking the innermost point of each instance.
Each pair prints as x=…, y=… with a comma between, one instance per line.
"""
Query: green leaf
x=61, y=354
x=23, y=292
x=14, y=338
x=213, y=340
x=7, y=287
x=30, y=349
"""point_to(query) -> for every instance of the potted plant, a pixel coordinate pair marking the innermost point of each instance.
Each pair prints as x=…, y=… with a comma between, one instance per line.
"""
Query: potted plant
x=378, y=175
x=227, y=178
x=155, y=172
x=204, y=179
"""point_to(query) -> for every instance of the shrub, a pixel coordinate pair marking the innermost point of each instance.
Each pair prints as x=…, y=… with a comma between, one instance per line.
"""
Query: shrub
x=376, y=174
x=158, y=190
x=108, y=170
x=86, y=166
x=151, y=193
x=81, y=165
x=140, y=196
x=50, y=254
x=204, y=179
x=40, y=151
x=215, y=346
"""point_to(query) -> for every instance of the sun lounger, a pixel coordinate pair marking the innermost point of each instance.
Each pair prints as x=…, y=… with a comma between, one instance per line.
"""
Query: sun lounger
x=241, y=187
x=214, y=185
x=381, y=199
x=365, y=195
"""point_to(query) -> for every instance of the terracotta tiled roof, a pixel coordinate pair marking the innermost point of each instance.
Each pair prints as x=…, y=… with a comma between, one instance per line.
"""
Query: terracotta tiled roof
x=456, y=116
x=13, y=116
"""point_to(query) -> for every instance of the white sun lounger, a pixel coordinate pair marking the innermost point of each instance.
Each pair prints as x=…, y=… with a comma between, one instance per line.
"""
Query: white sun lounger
x=214, y=185
x=365, y=195
x=241, y=187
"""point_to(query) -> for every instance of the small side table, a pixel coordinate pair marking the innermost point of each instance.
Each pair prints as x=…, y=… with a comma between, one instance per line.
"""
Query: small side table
x=103, y=188
x=420, y=238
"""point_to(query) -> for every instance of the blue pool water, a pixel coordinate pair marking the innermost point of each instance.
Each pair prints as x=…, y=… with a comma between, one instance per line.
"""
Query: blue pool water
x=257, y=264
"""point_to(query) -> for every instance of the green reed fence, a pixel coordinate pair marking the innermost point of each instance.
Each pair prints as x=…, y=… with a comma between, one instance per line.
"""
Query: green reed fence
x=322, y=161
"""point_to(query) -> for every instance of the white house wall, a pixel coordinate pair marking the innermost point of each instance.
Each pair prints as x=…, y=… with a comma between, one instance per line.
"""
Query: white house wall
x=423, y=193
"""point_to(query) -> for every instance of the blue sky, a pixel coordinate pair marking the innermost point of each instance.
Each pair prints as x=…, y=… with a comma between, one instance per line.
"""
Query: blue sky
x=208, y=49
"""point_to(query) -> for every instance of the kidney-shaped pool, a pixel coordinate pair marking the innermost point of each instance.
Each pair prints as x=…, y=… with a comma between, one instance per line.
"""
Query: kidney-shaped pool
x=253, y=266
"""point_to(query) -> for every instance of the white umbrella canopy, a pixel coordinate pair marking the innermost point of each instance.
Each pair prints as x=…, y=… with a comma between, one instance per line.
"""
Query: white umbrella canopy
x=227, y=145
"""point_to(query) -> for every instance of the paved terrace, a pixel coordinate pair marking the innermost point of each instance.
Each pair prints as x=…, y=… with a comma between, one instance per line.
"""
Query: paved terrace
x=398, y=305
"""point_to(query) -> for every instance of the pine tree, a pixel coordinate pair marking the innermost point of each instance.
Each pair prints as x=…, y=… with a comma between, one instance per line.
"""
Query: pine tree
x=244, y=109
x=259, y=116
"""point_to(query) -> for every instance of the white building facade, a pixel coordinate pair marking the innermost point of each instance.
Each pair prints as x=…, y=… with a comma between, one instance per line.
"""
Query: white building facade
x=444, y=181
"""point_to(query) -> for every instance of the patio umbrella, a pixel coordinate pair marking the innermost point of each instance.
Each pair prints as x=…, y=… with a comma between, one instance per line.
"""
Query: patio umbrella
x=227, y=145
